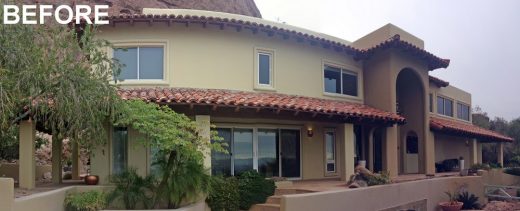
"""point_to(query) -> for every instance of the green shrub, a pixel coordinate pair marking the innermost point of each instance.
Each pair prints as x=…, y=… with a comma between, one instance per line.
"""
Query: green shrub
x=131, y=189
x=378, y=179
x=513, y=171
x=223, y=194
x=495, y=165
x=480, y=166
x=254, y=189
x=470, y=201
x=86, y=201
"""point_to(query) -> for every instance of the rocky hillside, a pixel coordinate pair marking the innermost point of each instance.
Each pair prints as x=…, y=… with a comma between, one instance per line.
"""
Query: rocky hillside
x=242, y=7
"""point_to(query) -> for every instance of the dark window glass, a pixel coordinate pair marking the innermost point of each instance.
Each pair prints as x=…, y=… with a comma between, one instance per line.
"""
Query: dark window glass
x=463, y=111
x=140, y=62
x=412, y=145
x=268, y=160
x=350, y=84
x=332, y=79
x=242, y=150
x=128, y=59
x=330, y=151
x=264, y=69
x=448, y=107
x=220, y=161
x=151, y=61
x=119, y=149
x=440, y=105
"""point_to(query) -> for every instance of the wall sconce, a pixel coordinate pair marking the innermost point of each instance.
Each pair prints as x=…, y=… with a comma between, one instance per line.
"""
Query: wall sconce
x=310, y=132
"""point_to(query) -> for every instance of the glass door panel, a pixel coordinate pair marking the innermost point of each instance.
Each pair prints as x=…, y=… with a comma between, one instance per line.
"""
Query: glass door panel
x=221, y=162
x=290, y=155
x=268, y=162
x=242, y=150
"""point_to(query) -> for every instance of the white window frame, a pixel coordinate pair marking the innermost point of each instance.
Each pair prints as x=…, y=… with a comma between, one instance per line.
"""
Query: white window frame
x=140, y=44
x=335, y=141
x=271, y=54
x=351, y=70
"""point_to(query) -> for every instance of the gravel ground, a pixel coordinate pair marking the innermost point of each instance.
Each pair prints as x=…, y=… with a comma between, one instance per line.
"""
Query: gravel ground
x=502, y=206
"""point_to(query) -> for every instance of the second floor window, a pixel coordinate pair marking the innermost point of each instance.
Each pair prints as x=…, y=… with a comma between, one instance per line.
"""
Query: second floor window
x=444, y=106
x=140, y=63
x=463, y=111
x=340, y=81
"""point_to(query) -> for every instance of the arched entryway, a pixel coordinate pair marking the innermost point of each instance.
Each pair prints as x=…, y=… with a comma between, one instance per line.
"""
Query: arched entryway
x=410, y=103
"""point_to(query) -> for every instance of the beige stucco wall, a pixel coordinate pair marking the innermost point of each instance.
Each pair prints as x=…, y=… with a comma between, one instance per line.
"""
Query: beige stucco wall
x=12, y=170
x=452, y=147
x=225, y=59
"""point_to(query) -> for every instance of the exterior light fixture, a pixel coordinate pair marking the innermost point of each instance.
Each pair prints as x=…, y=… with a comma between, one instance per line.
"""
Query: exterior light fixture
x=310, y=132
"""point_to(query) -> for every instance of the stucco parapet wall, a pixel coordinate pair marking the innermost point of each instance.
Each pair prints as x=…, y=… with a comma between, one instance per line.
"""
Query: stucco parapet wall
x=384, y=196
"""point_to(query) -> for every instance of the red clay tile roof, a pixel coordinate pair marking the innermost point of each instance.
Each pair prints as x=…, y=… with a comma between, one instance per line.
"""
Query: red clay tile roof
x=230, y=98
x=439, y=82
x=433, y=61
x=470, y=130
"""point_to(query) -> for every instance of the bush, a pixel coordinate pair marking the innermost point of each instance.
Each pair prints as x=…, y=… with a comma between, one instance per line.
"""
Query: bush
x=254, y=189
x=513, y=171
x=470, y=201
x=131, y=189
x=223, y=194
x=86, y=201
x=378, y=179
x=480, y=166
x=495, y=165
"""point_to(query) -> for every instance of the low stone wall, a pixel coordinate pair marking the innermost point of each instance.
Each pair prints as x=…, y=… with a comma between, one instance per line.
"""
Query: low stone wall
x=385, y=196
x=11, y=170
x=498, y=177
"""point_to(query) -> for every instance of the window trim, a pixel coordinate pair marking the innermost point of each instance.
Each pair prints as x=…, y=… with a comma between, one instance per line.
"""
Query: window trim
x=257, y=84
x=146, y=43
x=469, y=111
x=326, y=161
x=345, y=68
x=444, y=106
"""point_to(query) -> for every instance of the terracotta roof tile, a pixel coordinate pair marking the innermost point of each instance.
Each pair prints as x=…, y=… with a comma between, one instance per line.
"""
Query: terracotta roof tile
x=433, y=61
x=232, y=98
x=460, y=128
x=439, y=82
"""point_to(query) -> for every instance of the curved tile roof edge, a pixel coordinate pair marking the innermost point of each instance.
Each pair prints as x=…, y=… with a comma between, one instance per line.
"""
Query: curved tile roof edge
x=233, y=98
x=457, y=127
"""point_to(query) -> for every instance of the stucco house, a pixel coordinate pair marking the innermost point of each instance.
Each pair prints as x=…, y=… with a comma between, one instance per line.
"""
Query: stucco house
x=292, y=102
x=289, y=102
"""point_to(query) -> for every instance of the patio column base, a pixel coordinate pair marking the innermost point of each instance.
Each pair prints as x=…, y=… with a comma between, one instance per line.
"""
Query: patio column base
x=27, y=169
x=390, y=161
x=7, y=193
x=473, y=147
x=75, y=161
x=429, y=149
x=500, y=154
x=56, y=160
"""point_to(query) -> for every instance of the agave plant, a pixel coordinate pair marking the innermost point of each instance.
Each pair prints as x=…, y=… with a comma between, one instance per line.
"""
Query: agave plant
x=470, y=201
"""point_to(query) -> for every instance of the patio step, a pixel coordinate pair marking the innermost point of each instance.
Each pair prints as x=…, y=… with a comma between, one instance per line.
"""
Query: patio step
x=274, y=200
x=265, y=207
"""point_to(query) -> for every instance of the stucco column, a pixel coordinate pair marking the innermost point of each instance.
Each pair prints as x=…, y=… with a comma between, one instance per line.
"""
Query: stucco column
x=391, y=155
x=204, y=128
x=429, y=150
x=100, y=157
x=57, y=144
x=27, y=169
x=75, y=160
x=500, y=153
x=371, y=149
x=348, y=158
x=6, y=194
x=473, y=151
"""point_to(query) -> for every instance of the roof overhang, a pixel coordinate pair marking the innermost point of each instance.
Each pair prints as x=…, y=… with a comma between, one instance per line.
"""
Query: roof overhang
x=239, y=100
x=438, y=82
x=457, y=128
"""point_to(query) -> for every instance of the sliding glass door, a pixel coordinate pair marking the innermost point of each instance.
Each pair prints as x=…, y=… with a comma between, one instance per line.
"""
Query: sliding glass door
x=272, y=152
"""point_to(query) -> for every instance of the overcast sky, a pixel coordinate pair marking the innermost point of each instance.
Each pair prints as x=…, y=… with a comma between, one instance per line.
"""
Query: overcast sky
x=480, y=37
